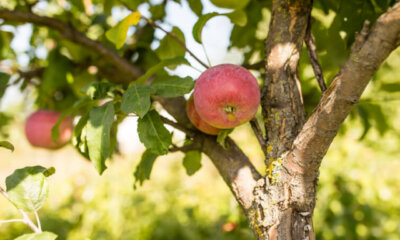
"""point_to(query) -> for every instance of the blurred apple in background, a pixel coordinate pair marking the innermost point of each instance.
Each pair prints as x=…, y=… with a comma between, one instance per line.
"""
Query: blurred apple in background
x=38, y=129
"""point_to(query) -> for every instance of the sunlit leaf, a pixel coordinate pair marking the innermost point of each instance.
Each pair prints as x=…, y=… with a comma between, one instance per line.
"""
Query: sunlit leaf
x=27, y=188
x=37, y=236
x=118, y=34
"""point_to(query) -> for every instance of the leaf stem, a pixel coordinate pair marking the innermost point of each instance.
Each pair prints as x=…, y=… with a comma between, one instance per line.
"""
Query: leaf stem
x=12, y=220
x=26, y=218
x=205, y=53
x=38, y=221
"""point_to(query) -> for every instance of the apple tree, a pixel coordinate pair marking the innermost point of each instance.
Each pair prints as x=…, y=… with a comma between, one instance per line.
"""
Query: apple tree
x=84, y=63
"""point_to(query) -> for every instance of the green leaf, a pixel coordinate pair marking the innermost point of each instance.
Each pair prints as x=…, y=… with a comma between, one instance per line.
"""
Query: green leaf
x=98, y=135
x=133, y=4
x=143, y=169
x=99, y=90
x=38, y=236
x=55, y=74
x=391, y=87
x=159, y=66
x=198, y=26
x=238, y=17
x=196, y=6
x=79, y=136
x=174, y=87
x=4, y=77
x=55, y=129
x=8, y=145
x=117, y=34
x=137, y=99
x=27, y=188
x=50, y=171
x=378, y=117
x=192, y=162
x=157, y=11
x=363, y=114
x=169, y=47
x=153, y=134
x=222, y=136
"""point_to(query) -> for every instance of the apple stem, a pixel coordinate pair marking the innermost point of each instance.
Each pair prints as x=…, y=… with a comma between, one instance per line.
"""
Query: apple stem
x=230, y=109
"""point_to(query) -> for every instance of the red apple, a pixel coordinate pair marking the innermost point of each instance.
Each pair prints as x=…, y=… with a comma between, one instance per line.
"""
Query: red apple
x=38, y=129
x=197, y=121
x=226, y=96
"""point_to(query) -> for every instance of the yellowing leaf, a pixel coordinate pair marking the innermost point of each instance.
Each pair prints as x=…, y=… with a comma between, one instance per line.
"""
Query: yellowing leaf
x=117, y=34
x=133, y=18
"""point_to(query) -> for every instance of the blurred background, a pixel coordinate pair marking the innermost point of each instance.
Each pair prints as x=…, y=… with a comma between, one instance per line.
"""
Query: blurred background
x=359, y=185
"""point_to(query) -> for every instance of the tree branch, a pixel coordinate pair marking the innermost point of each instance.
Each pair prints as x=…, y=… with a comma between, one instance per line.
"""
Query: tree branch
x=73, y=35
x=178, y=126
x=367, y=54
x=282, y=104
x=312, y=55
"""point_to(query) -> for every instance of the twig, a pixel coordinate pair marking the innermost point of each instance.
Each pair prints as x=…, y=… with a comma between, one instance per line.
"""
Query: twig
x=255, y=66
x=205, y=53
x=257, y=131
x=176, y=125
x=30, y=5
x=26, y=218
x=312, y=54
x=186, y=148
x=71, y=34
x=173, y=36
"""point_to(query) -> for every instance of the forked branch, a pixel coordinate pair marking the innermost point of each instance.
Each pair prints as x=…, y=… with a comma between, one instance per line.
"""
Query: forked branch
x=370, y=49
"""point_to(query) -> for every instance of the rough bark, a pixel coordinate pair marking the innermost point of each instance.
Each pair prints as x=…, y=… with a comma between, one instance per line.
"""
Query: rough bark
x=370, y=49
x=284, y=116
x=282, y=104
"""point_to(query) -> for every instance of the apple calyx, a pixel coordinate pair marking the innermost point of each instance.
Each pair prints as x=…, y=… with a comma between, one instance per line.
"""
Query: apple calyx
x=230, y=111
